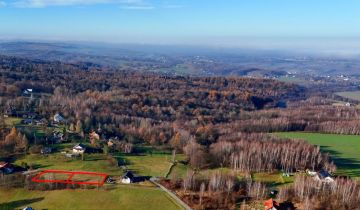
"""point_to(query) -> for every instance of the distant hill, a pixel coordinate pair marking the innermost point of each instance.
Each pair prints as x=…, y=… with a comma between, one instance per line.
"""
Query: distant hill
x=182, y=60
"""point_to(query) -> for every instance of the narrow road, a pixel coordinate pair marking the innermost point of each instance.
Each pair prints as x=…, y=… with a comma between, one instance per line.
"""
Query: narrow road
x=182, y=203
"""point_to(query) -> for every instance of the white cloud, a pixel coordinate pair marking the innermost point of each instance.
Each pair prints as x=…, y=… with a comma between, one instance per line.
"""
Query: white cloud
x=138, y=7
x=49, y=3
x=172, y=6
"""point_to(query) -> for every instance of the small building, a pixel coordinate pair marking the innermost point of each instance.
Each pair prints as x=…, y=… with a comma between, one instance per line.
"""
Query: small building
x=41, y=122
x=128, y=178
x=27, y=121
x=324, y=176
x=46, y=150
x=6, y=168
x=28, y=91
x=9, y=112
x=271, y=205
x=58, y=118
x=57, y=137
x=29, y=115
x=110, y=143
x=79, y=149
x=311, y=173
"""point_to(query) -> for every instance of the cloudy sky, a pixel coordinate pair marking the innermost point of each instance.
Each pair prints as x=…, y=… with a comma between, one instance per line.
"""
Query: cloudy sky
x=206, y=22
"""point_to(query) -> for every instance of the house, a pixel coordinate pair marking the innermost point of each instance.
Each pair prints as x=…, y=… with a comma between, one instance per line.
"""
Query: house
x=28, y=91
x=128, y=178
x=9, y=112
x=41, y=122
x=58, y=118
x=29, y=115
x=27, y=121
x=6, y=168
x=311, y=173
x=323, y=176
x=57, y=137
x=79, y=149
x=271, y=205
x=112, y=141
x=46, y=150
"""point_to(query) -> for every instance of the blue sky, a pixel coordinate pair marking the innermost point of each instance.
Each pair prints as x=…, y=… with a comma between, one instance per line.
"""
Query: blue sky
x=224, y=22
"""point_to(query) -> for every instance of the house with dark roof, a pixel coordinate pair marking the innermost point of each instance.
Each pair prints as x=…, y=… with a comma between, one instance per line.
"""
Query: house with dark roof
x=58, y=118
x=324, y=176
x=46, y=150
x=6, y=168
x=128, y=178
x=79, y=149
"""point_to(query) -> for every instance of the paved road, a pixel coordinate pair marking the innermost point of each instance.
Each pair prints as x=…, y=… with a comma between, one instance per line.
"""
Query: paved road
x=182, y=203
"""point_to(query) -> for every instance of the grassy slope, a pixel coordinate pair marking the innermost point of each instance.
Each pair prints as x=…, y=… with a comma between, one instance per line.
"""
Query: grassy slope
x=355, y=95
x=146, y=165
x=122, y=197
x=12, y=121
x=93, y=163
x=344, y=149
x=152, y=165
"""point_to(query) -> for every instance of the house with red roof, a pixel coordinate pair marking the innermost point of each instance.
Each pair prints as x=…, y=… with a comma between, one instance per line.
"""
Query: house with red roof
x=271, y=205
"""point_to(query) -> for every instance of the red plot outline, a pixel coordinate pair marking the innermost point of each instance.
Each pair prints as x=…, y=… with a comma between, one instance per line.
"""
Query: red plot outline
x=69, y=179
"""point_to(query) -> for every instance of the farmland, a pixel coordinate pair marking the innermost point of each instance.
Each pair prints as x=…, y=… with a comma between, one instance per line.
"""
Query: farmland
x=152, y=165
x=137, y=196
x=344, y=149
x=354, y=95
x=155, y=164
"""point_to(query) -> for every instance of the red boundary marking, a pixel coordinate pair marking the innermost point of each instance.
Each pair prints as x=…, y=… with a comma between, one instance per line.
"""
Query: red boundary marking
x=69, y=179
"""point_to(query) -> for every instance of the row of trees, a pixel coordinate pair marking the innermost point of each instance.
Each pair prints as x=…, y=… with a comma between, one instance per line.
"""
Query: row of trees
x=218, y=190
x=257, y=153
x=341, y=194
x=324, y=118
x=14, y=142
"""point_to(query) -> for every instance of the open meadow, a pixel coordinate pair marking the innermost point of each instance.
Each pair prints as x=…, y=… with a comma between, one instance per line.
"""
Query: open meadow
x=343, y=149
x=354, y=95
x=121, y=197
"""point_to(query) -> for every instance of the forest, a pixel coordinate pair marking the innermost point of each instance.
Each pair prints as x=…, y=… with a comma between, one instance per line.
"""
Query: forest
x=216, y=122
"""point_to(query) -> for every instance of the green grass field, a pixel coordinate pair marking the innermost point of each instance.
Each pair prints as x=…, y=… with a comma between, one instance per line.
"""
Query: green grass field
x=12, y=121
x=355, y=95
x=138, y=196
x=142, y=164
x=92, y=163
x=153, y=164
x=122, y=197
x=344, y=149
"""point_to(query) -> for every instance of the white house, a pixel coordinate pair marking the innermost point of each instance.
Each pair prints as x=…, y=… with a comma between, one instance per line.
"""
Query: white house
x=311, y=173
x=58, y=118
x=79, y=149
